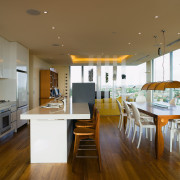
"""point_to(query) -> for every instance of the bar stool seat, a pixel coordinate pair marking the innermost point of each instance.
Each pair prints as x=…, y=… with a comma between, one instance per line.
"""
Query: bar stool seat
x=85, y=125
x=84, y=120
x=84, y=131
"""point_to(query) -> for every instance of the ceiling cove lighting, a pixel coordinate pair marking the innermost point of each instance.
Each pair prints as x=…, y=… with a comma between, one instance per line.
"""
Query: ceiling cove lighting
x=161, y=86
x=95, y=60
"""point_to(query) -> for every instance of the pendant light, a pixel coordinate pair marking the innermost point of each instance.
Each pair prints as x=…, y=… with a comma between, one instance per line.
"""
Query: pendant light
x=162, y=85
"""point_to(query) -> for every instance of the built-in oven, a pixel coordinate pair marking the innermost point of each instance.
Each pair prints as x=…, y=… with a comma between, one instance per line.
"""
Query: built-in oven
x=5, y=120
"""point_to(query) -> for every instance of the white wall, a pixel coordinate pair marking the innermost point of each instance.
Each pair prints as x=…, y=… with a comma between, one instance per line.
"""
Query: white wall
x=10, y=54
x=35, y=65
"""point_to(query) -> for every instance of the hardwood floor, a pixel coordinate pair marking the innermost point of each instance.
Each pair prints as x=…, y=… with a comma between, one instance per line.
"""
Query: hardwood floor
x=120, y=159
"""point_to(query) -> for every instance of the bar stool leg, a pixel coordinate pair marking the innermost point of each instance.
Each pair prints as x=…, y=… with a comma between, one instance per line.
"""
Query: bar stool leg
x=76, y=145
x=98, y=151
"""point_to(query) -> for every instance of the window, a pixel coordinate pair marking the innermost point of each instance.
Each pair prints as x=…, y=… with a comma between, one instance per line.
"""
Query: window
x=158, y=68
x=176, y=74
x=75, y=75
x=135, y=78
x=160, y=75
x=86, y=74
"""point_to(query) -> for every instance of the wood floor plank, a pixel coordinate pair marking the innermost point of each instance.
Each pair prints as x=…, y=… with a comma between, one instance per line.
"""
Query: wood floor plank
x=120, y=158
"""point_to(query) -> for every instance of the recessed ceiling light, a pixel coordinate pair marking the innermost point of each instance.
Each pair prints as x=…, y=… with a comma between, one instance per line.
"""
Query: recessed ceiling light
x=139, y=33
x=156, y=17
x=129, y=43
x=62, y=45
x=59, y=37
x=33, y=12
x=55, y=44
x=161, y=43
x=178, y=33
x=45, y=12
x=53, y=27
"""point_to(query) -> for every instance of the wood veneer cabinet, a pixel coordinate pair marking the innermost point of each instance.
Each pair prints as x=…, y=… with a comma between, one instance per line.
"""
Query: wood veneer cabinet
x=48, y=81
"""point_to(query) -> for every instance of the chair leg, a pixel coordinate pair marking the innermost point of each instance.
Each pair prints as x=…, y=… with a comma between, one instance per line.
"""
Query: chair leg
x=146, y=133
x=151, y=134
x=127, y=126
x=122, y=121
x=140, y=134
x=171, y=135
x=134, y=133
x=119, y=121
x=179, y=141
x=99, y=152
x=171, y=139
x=76, y=145
x=130, y=126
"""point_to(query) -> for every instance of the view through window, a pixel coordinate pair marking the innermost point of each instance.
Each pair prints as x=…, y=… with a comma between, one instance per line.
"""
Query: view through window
x=135, y=78
x=176, y=76
x=162, y=75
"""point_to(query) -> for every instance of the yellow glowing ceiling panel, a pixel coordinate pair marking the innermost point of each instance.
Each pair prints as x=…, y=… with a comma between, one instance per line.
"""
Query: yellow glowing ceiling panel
x=102, y=60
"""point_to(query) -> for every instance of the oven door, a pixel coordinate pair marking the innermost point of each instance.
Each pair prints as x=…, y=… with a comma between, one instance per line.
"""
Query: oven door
x=5, y=121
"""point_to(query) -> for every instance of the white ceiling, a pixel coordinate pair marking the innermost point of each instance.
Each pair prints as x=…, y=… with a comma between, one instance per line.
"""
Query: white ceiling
x=96, y=28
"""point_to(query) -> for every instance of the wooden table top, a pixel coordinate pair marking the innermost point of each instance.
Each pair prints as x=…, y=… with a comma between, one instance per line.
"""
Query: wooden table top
x=153, y=110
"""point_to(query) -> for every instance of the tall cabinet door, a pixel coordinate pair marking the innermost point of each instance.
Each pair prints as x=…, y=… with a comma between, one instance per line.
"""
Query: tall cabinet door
x=21, y=89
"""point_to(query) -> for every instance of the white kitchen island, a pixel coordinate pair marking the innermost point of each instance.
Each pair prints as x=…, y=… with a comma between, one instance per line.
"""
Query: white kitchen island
x=51, y=131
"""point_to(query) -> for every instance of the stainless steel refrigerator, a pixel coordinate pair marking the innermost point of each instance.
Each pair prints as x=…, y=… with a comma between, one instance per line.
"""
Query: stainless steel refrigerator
x=22, y=100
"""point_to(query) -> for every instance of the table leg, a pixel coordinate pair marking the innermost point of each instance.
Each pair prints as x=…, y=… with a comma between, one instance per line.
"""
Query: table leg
x=159, y=142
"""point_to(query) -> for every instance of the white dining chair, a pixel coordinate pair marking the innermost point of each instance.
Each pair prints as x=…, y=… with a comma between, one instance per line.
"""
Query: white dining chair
x=122, y=115
x=174, y=129
x=141, y=125
x=130, y=119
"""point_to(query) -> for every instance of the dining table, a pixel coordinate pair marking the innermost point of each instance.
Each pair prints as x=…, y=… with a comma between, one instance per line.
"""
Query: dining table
x=161, y=115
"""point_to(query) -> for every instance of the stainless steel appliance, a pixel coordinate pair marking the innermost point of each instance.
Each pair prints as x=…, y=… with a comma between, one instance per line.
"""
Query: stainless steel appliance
x=5, y=119
x=22, y=104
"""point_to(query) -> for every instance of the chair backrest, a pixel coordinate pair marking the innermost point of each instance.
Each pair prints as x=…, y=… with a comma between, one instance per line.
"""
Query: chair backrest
x=94, y=114
x=127, y=109
x=120, y=107
x=141, y=99
x=136, y=114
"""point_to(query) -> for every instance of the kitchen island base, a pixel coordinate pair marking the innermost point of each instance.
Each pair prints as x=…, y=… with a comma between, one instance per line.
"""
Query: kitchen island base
x=50, y=140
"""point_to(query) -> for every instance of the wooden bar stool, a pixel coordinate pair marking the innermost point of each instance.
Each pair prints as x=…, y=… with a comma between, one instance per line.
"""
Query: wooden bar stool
x=90, y=124
x=87, y=133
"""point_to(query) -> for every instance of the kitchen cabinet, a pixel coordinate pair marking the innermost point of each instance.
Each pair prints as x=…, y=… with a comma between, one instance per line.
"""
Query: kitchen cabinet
x=7, y=63
x=19, y=112
x=14, y=120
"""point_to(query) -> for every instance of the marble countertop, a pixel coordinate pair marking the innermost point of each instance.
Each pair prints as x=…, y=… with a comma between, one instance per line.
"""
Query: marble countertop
x=69, y=111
